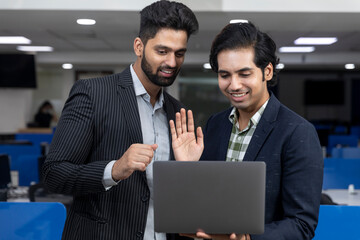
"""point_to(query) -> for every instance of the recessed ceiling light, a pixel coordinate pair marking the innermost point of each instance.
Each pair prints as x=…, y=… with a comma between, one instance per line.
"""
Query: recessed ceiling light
x=280, y=66
x=296, y=49
x=67, y=66
x=35, y=48
x=315, y=40
x=350, y=66
x=86, y=21
x=207, y=66
x=14, y=40
x=238, y=21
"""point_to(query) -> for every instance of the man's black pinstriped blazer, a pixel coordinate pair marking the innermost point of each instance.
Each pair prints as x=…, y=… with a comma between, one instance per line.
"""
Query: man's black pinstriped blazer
x=98, y=124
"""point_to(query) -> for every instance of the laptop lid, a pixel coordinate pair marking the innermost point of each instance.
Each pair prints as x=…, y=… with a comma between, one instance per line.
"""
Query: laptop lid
x=216, y=197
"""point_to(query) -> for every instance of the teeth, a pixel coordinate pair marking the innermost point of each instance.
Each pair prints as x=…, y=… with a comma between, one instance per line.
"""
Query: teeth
x=238, y=94
x=166, y=71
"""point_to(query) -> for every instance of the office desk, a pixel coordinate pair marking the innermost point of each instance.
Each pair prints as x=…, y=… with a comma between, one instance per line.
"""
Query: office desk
x=35, y=130
x=21, y=194
x=343, y=197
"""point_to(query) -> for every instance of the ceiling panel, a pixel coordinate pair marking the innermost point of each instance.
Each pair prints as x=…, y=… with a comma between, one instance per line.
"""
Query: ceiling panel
x=115, y=31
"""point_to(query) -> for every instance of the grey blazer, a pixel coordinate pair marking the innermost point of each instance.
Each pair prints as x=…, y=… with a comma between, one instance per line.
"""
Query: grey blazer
x=99, y=122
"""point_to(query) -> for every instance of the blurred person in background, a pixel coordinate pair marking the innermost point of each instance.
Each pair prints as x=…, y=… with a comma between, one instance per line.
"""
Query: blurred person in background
x=45, y=116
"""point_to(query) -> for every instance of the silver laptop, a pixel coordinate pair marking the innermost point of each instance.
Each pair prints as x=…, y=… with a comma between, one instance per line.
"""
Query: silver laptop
x=213, y=196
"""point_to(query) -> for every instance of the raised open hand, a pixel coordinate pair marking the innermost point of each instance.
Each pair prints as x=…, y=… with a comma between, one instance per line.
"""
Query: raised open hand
x=186, y=146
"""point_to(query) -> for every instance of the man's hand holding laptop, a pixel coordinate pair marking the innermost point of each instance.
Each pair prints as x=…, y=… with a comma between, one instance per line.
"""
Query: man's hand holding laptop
x=232, y=236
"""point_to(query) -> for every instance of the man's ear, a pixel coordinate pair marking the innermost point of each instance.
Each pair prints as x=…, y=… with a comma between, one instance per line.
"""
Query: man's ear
x=268, y=72
x=138, y=47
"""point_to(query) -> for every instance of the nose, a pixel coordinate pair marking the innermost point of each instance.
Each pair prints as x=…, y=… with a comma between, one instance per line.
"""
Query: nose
x=235, y=83
x=171, y=60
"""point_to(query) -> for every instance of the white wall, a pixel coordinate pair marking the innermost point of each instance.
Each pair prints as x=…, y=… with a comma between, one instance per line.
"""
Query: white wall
x=54, y=85
x=18, y=106
x=14, y=108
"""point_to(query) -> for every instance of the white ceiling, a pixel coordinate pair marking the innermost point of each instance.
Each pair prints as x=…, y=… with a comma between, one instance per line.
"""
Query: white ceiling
x=110, y=41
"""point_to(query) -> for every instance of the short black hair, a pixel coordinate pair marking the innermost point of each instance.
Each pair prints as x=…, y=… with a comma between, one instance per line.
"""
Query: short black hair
x=166, y=14
x=246, y=35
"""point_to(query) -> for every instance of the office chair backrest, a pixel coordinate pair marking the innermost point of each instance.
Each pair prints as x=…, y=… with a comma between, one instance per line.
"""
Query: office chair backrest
x=346, y=152
x=341, y=141
x=340, y=172
x=355, y=130
x=338, y=222
x=31, y=220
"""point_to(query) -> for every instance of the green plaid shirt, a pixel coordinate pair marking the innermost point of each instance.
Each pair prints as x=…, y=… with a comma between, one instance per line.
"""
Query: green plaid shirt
x=239, y=140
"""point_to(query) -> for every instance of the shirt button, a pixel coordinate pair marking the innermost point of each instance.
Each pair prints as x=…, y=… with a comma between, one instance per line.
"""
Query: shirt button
x=139, y=234
x=145, y=198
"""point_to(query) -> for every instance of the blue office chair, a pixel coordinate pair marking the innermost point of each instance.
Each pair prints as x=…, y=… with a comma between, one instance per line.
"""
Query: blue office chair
x=23, y=158
x=340, y=172
x=31, y=220
x=340, y=129
x=346, y=152
x=36, y=138
x=355, y=130
x=341, y=141
x=338, y=222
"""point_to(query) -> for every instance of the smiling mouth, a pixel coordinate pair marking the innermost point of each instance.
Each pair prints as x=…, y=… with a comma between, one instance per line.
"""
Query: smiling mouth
x=167, y=71
x=237, y=94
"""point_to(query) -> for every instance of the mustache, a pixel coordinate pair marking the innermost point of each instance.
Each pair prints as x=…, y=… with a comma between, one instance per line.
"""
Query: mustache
x=238, y=91
x=167, y=67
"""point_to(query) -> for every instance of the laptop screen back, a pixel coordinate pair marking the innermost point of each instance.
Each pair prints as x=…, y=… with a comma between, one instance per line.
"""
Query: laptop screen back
x=213, y=196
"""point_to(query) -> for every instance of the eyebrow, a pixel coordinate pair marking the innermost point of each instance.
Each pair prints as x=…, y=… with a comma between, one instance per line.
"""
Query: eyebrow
x=169, y=49
x=237, y=71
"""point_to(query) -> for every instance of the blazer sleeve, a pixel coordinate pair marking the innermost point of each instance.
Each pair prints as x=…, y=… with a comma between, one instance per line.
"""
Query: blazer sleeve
x=301, y=185
x=67, y=168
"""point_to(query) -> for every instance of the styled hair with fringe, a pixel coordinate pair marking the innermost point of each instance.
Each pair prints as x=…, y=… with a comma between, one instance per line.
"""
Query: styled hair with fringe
x=246, y=35
x=166, y=14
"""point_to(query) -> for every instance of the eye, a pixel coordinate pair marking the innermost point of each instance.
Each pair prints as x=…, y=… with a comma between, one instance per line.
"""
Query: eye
x=244, y=74
x=180, y=54
x=161, y=51
x=224, y=76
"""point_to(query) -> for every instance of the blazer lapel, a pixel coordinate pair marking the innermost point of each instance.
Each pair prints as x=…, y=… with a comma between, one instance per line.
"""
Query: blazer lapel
x=225, y=133
x=169, y=108
x=170, y=114
x=129, y=106
x=128, y=103
x=263, y=129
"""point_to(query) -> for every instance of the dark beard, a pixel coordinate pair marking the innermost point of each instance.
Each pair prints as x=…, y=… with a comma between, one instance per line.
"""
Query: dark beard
x=154, y=78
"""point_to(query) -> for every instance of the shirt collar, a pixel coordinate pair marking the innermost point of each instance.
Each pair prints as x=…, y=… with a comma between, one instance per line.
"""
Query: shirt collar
x=140, y=90
x=254, y=119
